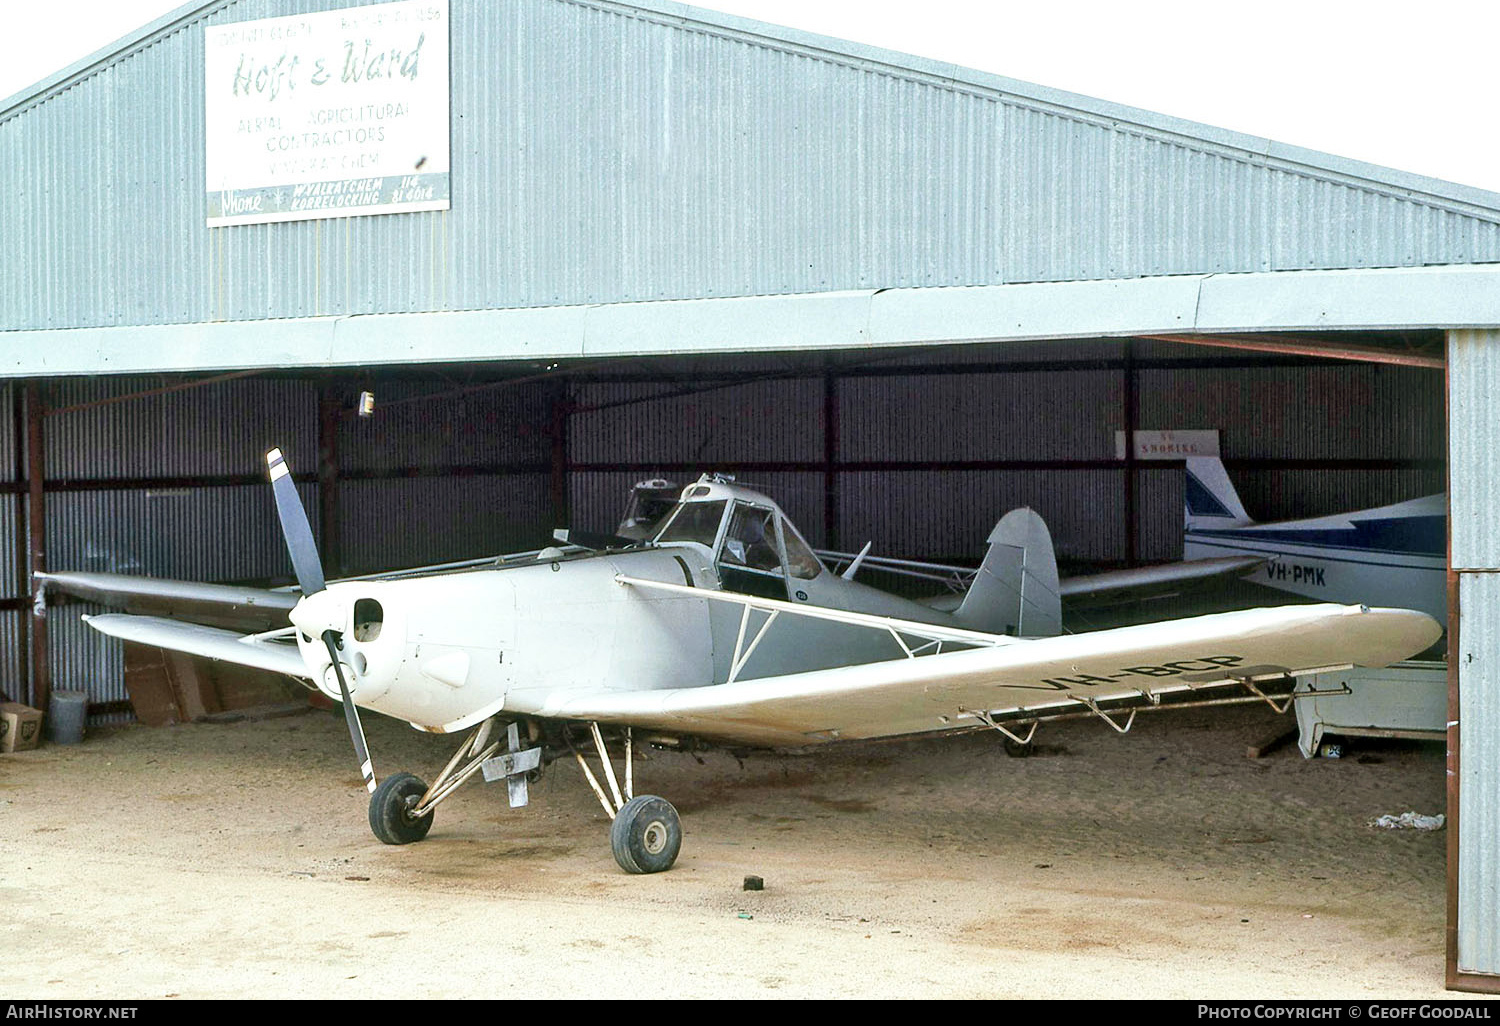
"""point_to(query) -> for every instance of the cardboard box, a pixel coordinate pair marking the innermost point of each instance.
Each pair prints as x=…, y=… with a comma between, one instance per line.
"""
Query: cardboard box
x=20, y=727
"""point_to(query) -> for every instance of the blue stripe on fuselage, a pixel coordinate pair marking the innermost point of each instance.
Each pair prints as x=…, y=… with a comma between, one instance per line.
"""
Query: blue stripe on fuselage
x=1375, y=559
x=1411, y=536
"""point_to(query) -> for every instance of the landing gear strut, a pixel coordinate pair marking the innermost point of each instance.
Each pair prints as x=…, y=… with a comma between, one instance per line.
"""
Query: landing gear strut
x=646, y=833
x=401, y=807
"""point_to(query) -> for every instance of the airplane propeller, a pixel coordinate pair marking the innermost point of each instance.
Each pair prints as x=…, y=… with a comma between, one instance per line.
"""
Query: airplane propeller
x=313, y=614
x=294, y=526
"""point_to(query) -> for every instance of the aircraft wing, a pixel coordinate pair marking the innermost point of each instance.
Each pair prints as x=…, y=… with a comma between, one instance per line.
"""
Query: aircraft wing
x=1136, y=584
x=196, y=639
x=1024, y=680
x=224, y=605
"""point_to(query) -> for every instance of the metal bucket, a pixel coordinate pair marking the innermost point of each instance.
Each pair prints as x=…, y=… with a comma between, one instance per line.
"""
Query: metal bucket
x=67, y=712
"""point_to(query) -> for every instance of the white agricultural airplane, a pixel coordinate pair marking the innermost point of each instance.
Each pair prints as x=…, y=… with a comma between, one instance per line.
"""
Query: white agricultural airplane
x=724, y=628
x=1396, y=554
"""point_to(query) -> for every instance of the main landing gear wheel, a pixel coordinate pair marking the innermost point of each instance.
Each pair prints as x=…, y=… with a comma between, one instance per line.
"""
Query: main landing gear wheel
x=390, y=810
x=646, y=835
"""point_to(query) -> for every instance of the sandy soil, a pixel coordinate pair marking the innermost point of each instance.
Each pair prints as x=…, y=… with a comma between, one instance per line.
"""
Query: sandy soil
x=234, y=860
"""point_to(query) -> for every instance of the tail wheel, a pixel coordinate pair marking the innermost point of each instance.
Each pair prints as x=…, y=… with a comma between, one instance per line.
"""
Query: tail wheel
x=391, y=807
x=646, y=835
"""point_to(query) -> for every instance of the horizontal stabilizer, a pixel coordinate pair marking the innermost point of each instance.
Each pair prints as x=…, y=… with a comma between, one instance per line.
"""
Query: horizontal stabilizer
x=1114, y=587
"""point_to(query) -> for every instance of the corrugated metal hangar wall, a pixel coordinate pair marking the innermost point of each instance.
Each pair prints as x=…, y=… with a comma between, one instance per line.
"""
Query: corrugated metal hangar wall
x=1474, y=662
x=605, y=152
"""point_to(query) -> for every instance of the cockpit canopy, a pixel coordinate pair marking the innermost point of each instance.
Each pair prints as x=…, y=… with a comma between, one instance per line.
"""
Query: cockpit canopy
x=756, y=549
x=650, y=503
x=696, y=521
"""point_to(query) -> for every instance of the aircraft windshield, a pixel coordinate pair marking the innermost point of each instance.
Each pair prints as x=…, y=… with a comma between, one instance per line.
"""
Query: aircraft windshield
x=800, y=561
x=694, y=522
x=645, y=509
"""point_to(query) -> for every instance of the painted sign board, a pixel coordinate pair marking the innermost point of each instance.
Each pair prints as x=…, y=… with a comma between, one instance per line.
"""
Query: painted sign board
x=1169, y=445
x=330, y=114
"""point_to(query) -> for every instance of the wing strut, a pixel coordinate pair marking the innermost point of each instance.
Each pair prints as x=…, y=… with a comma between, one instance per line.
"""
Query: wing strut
x=741, y=653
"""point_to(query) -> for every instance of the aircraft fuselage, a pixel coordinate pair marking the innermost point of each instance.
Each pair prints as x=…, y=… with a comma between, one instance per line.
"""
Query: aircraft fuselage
x=446, y=651
x=1391, y=556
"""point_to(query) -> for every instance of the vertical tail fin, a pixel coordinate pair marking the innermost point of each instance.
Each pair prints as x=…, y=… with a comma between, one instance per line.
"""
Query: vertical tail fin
x=1209, y=497
x=1015, y=591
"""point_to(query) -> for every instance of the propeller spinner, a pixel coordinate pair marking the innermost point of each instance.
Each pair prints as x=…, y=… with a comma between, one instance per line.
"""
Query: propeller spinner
x=318, y=612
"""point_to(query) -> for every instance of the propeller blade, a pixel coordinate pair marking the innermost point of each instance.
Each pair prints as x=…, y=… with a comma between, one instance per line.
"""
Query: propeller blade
x=309, y=568
x=351, y=714
x=295, y=527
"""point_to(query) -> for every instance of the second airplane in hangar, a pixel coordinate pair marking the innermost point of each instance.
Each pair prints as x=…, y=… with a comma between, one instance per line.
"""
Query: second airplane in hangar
x=1395, y=554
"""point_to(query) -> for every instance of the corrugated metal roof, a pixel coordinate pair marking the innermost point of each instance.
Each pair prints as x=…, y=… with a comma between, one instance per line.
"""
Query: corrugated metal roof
x=689, y=18
x=611, y=153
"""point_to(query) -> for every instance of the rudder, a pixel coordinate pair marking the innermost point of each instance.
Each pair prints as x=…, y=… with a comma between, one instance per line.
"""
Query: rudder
x=1016, y=590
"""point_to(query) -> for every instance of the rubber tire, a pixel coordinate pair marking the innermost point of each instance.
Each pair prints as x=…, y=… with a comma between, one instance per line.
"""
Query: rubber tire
x=646, y=835
x=1019, y=750
x=390, y=818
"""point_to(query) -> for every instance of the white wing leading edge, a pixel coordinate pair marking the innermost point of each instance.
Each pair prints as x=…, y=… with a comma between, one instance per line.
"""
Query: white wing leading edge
x=1007, y=679
x=212, y=642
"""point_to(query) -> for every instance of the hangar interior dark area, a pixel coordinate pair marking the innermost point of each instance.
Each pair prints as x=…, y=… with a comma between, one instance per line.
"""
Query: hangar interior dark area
x=915, y=451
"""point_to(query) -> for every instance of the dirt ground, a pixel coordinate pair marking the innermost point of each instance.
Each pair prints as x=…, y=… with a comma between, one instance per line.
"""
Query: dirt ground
x=235, y=861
